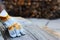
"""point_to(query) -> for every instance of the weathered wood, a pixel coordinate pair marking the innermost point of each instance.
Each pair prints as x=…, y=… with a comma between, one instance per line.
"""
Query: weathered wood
x=1, y=37
x=33, y=30
x=2, y=32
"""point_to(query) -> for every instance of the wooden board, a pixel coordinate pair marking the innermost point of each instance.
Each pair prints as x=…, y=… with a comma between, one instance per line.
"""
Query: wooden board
x=33, y=32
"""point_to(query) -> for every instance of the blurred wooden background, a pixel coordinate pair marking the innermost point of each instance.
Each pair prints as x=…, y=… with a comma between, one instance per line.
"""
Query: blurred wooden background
x=33, y=8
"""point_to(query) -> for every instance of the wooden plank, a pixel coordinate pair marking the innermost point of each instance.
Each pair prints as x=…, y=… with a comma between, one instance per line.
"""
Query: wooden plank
x=1, y=37
x=33, y=31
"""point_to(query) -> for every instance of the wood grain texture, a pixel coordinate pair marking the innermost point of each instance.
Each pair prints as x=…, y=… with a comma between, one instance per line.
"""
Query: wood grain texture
x=33, y=31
